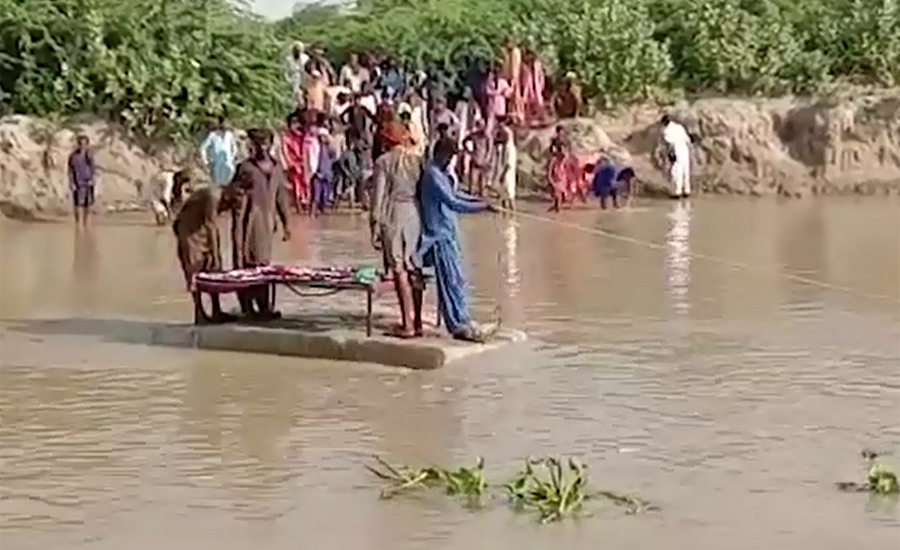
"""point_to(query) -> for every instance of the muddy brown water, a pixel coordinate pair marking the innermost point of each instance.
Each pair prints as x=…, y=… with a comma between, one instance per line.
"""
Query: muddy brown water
x=732, y=398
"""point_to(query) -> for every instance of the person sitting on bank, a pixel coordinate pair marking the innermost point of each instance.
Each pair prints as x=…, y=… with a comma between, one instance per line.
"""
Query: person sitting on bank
x=439, y=245
x=198, y=242
x=568, y=100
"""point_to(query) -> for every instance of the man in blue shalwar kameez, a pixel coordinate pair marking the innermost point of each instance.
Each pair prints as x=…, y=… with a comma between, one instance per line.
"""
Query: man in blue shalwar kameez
x=439, y=242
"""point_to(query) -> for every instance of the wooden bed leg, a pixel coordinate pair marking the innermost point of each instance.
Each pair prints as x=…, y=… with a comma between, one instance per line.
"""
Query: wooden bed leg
x=369, y=311
x=272, y=296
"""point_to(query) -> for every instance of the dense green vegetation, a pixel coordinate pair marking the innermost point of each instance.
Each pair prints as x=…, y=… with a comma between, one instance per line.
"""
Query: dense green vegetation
x=158, y=66
x=164, y=65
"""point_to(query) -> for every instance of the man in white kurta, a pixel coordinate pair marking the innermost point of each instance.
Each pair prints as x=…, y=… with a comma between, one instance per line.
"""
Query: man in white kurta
x=678, y=143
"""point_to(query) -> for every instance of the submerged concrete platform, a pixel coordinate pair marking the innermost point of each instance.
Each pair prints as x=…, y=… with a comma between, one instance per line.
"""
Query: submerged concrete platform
x=287, y=338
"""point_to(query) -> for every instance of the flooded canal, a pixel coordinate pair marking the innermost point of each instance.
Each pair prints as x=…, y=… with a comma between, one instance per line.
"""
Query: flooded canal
x=732, y=396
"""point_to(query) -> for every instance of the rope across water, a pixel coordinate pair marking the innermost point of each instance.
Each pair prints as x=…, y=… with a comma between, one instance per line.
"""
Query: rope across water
x=706, y=257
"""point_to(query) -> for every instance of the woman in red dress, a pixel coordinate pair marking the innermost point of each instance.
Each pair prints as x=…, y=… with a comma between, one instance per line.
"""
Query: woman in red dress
x=532, y=86
x=292, y=153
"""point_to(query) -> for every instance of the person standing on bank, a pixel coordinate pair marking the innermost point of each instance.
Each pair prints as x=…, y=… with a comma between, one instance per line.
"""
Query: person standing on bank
x=439, y=243
x=219, y=153
x=82, y=177
x=261, y=185
x=354, y=76
x=395, y=225
x=677, y=143
x=294, y=72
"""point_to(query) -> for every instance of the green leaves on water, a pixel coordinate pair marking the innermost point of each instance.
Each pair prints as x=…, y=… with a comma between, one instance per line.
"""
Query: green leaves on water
x=467, y=483
x=880, y=479
x=555, y=490
x=544, y=486
x=551, y=488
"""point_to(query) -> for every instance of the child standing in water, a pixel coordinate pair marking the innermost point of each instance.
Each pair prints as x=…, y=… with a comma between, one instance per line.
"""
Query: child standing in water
x=323, y=179
x=559, y=173
x=82, y=176
x=478, y=146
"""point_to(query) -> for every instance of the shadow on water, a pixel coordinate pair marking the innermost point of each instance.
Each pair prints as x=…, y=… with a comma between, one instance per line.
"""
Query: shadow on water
x=174, y=333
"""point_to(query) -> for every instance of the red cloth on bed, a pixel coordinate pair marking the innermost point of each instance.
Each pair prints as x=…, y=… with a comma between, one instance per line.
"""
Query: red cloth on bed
x=241, y=279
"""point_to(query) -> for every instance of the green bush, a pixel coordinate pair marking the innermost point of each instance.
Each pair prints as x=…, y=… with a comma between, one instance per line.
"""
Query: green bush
x=157, y=66
x=626, y=50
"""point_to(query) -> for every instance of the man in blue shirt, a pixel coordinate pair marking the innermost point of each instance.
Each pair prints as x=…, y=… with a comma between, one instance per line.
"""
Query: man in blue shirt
x=439, y=243
x=82, y=176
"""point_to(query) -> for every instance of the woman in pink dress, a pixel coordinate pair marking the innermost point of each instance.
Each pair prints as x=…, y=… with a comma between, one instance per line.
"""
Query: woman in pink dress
x=533, y=84
x=512, y=71
x=560, y=173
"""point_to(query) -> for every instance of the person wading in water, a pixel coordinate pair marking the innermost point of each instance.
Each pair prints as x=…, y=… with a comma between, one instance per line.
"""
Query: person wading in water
x=82, y=177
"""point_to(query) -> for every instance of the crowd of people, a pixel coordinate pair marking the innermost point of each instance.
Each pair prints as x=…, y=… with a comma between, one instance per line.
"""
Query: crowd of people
x=385, y=137
x=332, y=138
x=342, y=117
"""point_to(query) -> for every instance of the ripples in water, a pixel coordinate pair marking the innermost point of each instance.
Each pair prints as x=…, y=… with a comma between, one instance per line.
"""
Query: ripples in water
x=733, y=399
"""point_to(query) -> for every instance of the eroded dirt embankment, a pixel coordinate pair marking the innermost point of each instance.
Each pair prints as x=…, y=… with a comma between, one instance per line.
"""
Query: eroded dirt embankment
x=787, y=146
x=790, y=147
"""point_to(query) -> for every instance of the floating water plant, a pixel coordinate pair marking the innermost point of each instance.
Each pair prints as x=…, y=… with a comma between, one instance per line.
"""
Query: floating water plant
x=556, y=490
x=467, y=483
x=551, y=487
x=880, y=479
